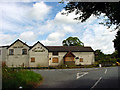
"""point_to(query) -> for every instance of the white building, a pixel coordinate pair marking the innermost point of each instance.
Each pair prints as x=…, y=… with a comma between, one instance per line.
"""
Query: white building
x=20, y=54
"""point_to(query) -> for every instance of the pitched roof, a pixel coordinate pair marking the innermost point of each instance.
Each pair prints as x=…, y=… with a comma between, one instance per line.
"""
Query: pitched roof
x=69, y=54
x=17, y=41
x=59, y=48
x=69, y=48
x=36, y=44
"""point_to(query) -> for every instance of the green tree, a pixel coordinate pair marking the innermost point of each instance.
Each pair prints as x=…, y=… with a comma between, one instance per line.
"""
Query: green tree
x=110, y=9
x=72, y=41
x=117, y=43
x=105, y=59
x=114, y=54
x=99, y=55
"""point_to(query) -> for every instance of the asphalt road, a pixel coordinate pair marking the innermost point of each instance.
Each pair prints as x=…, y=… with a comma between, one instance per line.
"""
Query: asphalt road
x=89, y=78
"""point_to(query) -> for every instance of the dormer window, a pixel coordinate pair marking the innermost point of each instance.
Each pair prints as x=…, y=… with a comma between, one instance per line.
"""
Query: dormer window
x=11, y=51
x=24, y=51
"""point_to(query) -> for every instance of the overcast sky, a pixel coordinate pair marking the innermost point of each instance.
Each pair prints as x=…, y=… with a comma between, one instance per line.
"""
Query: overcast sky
x=42, y=21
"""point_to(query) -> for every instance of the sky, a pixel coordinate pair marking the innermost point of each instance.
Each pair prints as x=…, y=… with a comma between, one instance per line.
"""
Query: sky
x=43, y=21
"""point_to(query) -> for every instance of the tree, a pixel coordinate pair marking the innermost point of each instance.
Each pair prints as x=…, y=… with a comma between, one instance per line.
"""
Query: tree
x=72, y=41
x=109, y=9
x=114, y=54
x=98, y=55
x=105, y=59
x=117, y=43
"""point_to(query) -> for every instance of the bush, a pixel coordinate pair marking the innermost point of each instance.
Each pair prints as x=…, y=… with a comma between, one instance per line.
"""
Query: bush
x=14, y=78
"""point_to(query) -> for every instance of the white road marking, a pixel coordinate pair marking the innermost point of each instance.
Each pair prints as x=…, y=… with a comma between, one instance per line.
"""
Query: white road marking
x=96, y=68
x=43, y=70
x=96, y=83
x=105, y=71
x=83, y=74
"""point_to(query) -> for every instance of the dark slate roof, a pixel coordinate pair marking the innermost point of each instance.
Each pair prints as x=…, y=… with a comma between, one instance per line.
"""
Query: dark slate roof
x=69, y=48
x=4, y=46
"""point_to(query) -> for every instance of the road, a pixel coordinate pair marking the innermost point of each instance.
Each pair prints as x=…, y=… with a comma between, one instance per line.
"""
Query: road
x=90, y=78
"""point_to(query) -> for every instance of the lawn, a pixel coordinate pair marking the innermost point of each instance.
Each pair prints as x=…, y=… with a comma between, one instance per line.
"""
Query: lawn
x=16, y=78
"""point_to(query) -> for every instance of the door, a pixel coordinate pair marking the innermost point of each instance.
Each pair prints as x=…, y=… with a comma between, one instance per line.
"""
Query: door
x=69, y=61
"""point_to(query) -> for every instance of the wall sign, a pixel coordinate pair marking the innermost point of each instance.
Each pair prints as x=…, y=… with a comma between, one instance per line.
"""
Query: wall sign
x=38, y=49
x=18, y=47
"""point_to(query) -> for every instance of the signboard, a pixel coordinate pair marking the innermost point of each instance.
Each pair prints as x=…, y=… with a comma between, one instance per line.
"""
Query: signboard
x=18, y=47
x=38, y=49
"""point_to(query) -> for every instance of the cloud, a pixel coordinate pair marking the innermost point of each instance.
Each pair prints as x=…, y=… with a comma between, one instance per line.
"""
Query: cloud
x=57, y=33
x=98, y=37
x=39, y=11
x=68, y=29
x=31, y=22
x=91, y=33
x=65, y=19
x=54, y=38
x=28, y=36
x=9, y=13
x=5, y=39
x=15, y=18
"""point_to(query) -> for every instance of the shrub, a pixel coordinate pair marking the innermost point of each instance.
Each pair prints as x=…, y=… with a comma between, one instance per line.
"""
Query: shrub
x=14, y=78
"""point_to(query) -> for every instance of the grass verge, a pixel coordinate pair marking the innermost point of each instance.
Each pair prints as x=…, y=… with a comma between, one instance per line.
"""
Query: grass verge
x=15, y=78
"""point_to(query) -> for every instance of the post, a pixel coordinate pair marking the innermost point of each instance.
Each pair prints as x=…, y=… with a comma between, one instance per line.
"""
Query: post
x=100, y=65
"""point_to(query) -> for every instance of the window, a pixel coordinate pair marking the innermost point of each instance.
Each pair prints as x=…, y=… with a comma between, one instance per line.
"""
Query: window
x=55, y=53
x=77, y=58
x=32, y=59
x=81, y=59
x=24, y=51
x=55, y=60
x=11, y=51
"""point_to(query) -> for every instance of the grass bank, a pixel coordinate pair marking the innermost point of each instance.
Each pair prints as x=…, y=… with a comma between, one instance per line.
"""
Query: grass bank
x=15, y=78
